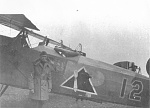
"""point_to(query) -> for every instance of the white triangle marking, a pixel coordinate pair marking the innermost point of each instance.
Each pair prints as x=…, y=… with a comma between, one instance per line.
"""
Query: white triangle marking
x=62, y=85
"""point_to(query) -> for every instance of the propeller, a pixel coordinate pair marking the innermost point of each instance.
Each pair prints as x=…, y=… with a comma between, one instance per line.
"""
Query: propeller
x=148, y=66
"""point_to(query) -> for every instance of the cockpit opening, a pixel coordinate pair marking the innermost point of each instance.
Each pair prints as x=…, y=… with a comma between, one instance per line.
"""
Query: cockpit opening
x=129, y=65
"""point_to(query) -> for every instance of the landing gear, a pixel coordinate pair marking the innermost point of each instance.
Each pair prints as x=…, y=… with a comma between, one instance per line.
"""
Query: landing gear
x=3, y=89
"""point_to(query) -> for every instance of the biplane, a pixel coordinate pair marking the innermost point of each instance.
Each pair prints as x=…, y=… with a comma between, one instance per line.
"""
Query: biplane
x=95, y=80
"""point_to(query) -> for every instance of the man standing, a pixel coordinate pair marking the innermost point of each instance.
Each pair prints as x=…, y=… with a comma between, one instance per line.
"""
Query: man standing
x=42, y=79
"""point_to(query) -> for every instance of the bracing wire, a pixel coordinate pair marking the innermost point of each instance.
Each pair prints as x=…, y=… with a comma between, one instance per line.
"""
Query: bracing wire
x=29, y=42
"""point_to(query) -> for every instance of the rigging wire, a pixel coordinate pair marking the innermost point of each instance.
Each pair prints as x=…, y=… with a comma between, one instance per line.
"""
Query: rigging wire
x=28, y=40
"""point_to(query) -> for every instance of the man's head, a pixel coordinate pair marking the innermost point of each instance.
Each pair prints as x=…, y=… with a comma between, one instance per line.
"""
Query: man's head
x=43, y=56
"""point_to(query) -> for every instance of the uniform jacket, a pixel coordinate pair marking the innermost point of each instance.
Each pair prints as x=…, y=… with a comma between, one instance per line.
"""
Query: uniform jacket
x=42, y=80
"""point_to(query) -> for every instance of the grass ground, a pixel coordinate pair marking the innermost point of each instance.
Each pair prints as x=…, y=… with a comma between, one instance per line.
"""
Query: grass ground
x=18, y=98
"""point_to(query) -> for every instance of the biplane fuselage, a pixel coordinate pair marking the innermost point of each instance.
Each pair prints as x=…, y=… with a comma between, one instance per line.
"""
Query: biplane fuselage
x=106, y=83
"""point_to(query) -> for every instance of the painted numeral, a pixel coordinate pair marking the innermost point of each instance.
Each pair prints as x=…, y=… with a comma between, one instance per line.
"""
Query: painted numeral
x=137, y=88
x=122, y=93
x=136, y=91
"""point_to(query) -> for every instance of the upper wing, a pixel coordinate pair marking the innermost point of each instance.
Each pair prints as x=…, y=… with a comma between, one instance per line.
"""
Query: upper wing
x=19, y=22
x=16, y=21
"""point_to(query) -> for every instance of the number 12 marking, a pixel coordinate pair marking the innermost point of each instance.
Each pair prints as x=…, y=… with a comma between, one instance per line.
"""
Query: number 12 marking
x=137, y=88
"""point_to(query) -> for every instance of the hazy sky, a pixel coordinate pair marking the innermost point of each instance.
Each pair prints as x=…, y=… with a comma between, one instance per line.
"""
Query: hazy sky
x=109, y=30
